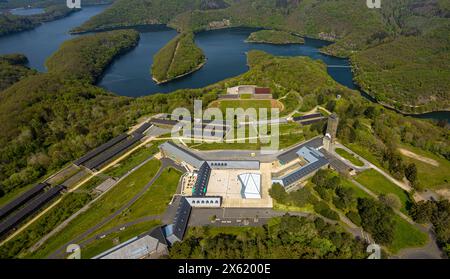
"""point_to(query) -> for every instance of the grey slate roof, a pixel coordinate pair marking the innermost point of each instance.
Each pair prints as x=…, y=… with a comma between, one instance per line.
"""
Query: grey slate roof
x=29, y=209
x=201, y=184
x=291, y=154
x=181, y=154
x=181, y=220
x=22, y=199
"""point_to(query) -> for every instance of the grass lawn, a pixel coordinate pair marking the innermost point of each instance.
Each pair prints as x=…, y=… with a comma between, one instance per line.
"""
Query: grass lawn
x=359, y=193
x=132, y=161
x=378, y=184
x=291, y=208
x=246, y=104
x=290, y=134
x=213, y=231
x=406, y=236
x=99, y=246
x=246, y=96
x=154, y=201
x=109, y=203
x=430, y=176
x=354, y=160
x=363, y=152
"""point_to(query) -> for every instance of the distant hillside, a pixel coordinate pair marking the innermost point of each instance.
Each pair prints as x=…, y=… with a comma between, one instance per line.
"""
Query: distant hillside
x=274, y=37
x=12, y=23
x=349, y=21
x=410, y=71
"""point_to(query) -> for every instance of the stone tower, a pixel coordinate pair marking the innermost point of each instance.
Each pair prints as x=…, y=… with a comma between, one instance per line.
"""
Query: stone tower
x=333, y=122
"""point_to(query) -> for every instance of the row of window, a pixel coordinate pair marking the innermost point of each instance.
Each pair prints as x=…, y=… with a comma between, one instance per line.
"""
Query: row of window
x=219, y=164
x=202, y=201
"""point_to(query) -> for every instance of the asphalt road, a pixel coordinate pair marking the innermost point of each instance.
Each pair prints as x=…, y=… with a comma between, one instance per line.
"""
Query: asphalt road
x=165, y=164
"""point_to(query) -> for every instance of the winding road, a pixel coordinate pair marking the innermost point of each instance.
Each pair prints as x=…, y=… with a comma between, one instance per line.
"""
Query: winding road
x=165, y=163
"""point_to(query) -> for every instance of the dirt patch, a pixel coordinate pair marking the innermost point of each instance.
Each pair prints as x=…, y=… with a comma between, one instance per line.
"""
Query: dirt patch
x=445, y=193
x=418, y=157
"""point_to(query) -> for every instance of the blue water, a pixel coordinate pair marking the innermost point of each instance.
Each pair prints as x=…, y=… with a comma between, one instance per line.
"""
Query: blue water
x=41, y=42
x=129, y=75
x=226, y=53
x=27, y=11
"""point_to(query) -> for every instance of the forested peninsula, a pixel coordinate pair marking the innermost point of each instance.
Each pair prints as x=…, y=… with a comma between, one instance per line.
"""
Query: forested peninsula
x=180, y=57
x=370, y=37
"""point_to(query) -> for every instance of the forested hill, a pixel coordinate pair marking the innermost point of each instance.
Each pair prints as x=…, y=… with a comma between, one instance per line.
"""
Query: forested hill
x=347, y=20
x=53, y=10
x=12, y=23
x=12, y=69
x=48, y=119
x=399, y=53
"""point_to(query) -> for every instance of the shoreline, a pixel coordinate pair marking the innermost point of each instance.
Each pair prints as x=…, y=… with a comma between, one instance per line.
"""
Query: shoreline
x=366, y=95
x=180, y=76
x=272, y=43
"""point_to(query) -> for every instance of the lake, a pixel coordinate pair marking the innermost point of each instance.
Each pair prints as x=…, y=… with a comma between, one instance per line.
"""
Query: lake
x=41, y=42
x=129, y=75
x=226, y=52
x=27, y=11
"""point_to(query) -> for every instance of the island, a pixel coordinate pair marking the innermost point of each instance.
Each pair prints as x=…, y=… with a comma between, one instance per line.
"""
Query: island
x=180, y=57
x=274, y=37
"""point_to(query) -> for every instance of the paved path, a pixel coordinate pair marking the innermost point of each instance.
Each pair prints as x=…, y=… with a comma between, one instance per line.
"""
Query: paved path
x=84, y=208
x=429, y=251
x=263, y=157
x=347, y=162
x=165, y=164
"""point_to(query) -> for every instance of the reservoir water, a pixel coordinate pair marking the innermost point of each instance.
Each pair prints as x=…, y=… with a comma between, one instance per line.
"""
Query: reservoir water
x=129, y=75
x=226, y=52
x=41, y=42
x=27, y=11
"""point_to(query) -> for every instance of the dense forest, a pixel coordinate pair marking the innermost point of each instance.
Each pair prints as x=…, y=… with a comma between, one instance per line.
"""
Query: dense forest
x=12, y=69
x=274, y=37
x=48, y=119
x=438, y=214
x=411, y=81
x=85, y=58
x=179, y=57
x=410, y=72
x=287, y=237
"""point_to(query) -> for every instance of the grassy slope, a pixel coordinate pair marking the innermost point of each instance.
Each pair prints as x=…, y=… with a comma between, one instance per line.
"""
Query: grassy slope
x=112, y=201
x=274, y=37
x=429, y=176
x=378, y=184
x=350, y=157
x=153, y=202
x=101, y=245
x=179, y=57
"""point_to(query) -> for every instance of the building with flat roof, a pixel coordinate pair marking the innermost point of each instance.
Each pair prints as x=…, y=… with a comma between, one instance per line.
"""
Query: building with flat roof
x=149, y=246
